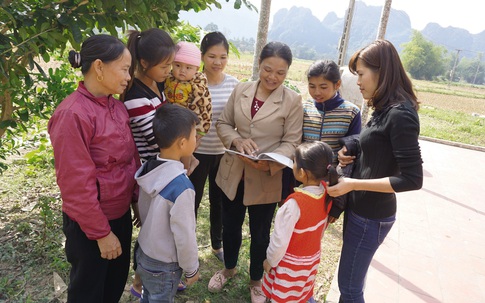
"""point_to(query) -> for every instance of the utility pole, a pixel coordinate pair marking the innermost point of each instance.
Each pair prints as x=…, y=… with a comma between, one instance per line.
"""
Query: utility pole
x=454, y=66
x=386, y=11
x=478, y=67
x=381, y=34
x=342, y=48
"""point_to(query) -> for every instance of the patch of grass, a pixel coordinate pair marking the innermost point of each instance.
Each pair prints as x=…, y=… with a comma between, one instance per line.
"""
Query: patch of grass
x=31, y=245
x=453, y=89
x=237, y=288
x=452, y=103
x=452, y=125
x=31, y=239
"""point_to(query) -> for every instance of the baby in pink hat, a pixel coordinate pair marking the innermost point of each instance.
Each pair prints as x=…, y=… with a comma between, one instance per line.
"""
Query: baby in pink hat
x=187, y=87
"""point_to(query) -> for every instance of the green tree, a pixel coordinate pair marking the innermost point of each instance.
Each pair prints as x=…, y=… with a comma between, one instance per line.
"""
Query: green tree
x=304, y=52
x=471, y=70
x=244, y=44
x=32, y=31
x=423, y=59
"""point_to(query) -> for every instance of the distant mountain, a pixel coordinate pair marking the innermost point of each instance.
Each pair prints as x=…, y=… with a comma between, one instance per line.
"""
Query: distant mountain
x=454, y=38
x=297, y=26
x=300, y=29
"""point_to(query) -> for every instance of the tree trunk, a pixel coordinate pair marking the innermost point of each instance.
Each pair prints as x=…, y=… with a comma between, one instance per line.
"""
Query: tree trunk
x=262, y=36
x=6, y=109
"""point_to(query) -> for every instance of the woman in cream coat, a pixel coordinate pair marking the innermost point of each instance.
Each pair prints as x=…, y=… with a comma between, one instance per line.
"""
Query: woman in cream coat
x=260, y=116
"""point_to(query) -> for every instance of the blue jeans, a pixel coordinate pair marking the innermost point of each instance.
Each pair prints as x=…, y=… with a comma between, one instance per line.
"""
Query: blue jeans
x=160, y=280
x=362, y=237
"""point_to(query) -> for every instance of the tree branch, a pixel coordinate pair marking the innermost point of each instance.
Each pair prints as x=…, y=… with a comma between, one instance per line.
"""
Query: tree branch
x=25, y=41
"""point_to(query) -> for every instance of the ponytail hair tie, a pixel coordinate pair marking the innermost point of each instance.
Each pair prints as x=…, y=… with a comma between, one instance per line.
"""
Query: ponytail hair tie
x=77, y=59
x=328, y=166
x=138, y=36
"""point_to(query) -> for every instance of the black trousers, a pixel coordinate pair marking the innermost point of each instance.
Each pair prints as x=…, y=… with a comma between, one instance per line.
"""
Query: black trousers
x=208, y=166
x=92, y=278
x=260, y=218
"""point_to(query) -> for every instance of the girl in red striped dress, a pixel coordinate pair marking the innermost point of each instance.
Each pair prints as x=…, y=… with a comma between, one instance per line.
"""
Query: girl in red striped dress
x=293, y=254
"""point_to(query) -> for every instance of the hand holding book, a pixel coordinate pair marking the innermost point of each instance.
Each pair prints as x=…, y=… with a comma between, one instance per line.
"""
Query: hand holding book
x=245, y=146
x=265, y=156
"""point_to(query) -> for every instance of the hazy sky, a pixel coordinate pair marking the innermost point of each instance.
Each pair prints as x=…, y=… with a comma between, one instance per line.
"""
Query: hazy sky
x=466, y=14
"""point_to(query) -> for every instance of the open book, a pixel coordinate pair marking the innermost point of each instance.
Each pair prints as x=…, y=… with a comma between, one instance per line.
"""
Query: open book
x=265, y=156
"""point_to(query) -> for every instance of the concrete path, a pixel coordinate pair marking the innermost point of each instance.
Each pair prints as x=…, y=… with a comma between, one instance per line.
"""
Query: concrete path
x=435, y=251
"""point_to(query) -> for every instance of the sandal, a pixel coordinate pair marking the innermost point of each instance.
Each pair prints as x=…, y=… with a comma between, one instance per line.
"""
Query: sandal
x=219, y=253
x=217, y=282
x=181, y=286
x=135, y=293
x=311, y=300
x=257, y=295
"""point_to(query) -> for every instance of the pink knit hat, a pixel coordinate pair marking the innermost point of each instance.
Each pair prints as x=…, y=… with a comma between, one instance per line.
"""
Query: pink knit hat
x=188, y=53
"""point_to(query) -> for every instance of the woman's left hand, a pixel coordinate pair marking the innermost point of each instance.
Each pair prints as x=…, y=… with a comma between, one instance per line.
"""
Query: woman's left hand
x=266, y=266
x=136, y=215
x=262, y=165
x=343, y=186
x=197, y=140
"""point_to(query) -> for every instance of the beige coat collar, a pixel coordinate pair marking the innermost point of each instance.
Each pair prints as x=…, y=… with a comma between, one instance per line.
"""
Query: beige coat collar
x=270, y=105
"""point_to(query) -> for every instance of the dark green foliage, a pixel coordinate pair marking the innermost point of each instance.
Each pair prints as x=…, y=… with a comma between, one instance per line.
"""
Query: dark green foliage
x=32, y=31
x=423, y=59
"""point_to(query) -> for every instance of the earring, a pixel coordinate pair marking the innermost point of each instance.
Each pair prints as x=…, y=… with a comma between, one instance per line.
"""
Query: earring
x=99, y=78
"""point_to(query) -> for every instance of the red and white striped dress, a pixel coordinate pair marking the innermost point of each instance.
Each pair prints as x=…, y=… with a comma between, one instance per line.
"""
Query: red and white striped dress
x=293, y=278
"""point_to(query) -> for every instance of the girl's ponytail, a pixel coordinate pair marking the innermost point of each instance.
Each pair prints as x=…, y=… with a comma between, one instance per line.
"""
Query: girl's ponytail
x=133, y=37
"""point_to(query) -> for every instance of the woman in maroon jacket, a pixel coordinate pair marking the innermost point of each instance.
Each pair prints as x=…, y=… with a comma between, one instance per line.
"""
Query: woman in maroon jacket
x=96, y=159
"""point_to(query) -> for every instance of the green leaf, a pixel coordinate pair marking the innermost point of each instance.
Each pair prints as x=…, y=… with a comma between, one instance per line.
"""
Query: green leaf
x=28, y=81
x=14, y=79
x=41, y=70
x=63, y=19
x=31, y=62
x=23, y=33
x=102, y=22
x=4, y=42
x=46, y=57
x=76, y=33
x=24, y=115
x=44, y=26
x=8, y=123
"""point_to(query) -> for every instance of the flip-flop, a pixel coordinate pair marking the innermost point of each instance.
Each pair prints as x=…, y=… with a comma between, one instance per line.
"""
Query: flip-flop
x=135, y=293
x=219, y=254
x=311, y=300
x=181, y=286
